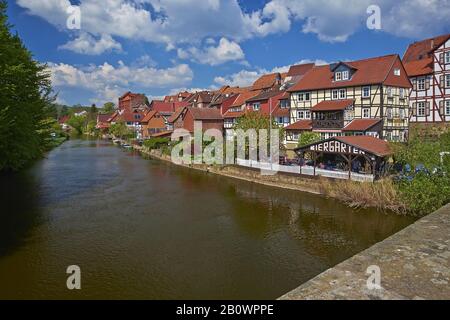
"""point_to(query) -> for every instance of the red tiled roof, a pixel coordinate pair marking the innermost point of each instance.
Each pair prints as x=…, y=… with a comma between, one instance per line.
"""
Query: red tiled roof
x=131, y=116
x=368, y=71
x=361, y=124
x=264, y=95
x=266, y=81
x=333, y=105
x=243, y=97
x=299, y=69
x=103, y=117
x=370, y=144
x=422, y=49
x=161, y=134
x=205, y=113
x=419, y=67
x=233, y=114
x=63, y=119
x=149, y=116
x=176, y=114
x=162, y=106
x=300, y=125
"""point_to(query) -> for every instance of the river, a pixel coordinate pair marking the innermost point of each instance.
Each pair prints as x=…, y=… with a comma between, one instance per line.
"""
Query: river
x=146, y=229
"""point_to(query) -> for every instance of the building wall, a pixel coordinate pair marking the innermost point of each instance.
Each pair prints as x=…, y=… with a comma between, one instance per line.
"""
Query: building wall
x=435, y=94
x=396, y=126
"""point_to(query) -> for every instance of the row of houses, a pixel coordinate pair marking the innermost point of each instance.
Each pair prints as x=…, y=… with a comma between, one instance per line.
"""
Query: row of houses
x=378, y=97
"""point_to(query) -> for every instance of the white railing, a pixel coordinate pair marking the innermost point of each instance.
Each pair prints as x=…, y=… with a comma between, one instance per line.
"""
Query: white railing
x=305, y=170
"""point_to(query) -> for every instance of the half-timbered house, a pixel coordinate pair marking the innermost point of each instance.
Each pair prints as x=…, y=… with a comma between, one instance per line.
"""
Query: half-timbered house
x=427, y=63
x=364, y=97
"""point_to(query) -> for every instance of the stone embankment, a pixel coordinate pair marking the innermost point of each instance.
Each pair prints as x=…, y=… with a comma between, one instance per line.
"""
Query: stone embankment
x=413, y=263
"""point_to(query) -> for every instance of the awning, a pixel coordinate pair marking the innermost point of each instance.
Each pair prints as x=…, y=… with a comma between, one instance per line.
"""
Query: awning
x=361, y=124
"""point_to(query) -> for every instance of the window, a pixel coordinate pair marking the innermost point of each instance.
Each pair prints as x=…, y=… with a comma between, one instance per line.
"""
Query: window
x=402, y=113
x=366, y=113
x=397, y=72
x=447, y=107
x=389, y=113
x=306, y=114
x=256, y=106
x=284, y=104
x=342, y=93
x=338, y=76
x=389, y=92
x=421, y=109
x=334, y=94
x=447, y=57
x=402, y=93
x=366, y=92
x=304, y=96
x=286, y=120
x=344, y=75
x=280, y=120
x=447, y=80
x=421, y=84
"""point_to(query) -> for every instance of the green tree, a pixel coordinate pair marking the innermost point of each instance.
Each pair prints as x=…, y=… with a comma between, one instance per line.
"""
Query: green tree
x=108, y=107
x=120, y=130
x=78, y=123
x=93, y=109
x=25, y=98
x=308, y=138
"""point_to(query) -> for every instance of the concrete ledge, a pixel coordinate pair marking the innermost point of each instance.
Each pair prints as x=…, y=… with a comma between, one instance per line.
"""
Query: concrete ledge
x=414, y=263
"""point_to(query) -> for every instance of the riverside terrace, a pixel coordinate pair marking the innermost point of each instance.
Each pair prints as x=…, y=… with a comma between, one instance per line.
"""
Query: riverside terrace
x=357, y=158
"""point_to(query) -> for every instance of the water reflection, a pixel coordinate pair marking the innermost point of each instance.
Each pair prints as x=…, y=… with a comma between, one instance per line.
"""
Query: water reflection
x=146, y=229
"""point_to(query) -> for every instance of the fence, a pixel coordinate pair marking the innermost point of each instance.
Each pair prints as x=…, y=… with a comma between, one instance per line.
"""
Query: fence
x=305, y=170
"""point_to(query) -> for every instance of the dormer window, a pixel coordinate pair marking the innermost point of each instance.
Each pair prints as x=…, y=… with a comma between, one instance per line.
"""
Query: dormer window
x=338, y=76
x=345, y=75
x=397, y=72
x=256, y=106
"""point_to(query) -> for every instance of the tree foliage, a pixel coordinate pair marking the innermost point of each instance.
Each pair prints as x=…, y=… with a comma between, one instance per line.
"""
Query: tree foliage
x=120, y=130
x=108, y=107
x=25, y=96
x=308, y=138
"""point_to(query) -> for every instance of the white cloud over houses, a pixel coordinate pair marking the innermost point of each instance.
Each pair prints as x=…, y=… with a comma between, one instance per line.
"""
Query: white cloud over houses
x=108, y=82
x=246, y=78
x=225, y=51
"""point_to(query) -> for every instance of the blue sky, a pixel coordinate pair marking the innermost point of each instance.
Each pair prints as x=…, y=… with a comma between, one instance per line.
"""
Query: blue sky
x=161, y=46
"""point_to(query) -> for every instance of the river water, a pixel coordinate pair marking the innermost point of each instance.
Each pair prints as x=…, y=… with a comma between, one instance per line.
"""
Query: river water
x=146, y=229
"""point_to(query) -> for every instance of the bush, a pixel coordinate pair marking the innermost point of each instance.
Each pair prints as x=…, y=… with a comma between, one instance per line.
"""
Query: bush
x=156, y=143
x=308, y=138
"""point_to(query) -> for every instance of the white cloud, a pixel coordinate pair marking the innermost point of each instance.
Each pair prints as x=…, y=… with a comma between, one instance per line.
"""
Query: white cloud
x=87, y=44
x=225, y=51
x=175, y=22
x=108, y=81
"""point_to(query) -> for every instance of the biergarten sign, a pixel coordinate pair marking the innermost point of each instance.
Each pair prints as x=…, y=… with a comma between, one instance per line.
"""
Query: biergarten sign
x=335, y=146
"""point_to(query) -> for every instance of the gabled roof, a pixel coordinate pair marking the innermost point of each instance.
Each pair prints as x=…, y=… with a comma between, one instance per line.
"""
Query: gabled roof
x=103, y=117
x=233, y=114
x=149, y=116
x=299, y=69
x=368, y=71
x=422, y=49
x=266, y=81
x=361, y=124
x=300, y=125
x=333, y=105
x=205, y=113
x=243, y=97
x=162, y=106
x=264, y=95
x=419, y=67
x=176, y=114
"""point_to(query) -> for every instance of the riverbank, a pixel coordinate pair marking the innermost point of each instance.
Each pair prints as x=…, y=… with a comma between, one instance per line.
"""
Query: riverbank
x=414, y=264
x=380, y=195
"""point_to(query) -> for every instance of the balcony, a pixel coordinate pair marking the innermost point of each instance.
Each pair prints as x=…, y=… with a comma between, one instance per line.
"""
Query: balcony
x=328, y=120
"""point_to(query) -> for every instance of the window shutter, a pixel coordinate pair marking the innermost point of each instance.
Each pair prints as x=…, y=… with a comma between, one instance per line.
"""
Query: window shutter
x=414, y=109
x=441, y=58
x=442, y=82
x=415, y=84
x=441, y=108
x=427, y=109
x=427, y=84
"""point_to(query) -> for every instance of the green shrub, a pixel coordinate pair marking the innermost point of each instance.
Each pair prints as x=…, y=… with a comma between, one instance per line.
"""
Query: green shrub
x=156, y=143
